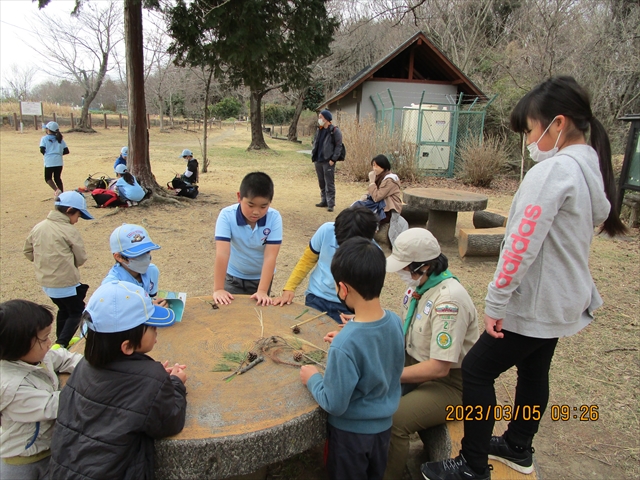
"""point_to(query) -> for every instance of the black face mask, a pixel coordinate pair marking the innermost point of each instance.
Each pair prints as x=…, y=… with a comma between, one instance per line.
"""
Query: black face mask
x=344, y=304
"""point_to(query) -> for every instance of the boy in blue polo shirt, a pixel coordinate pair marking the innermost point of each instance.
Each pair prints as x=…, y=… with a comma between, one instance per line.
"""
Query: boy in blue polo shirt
x=131, y=247
x=321, y=293
x=248, y=238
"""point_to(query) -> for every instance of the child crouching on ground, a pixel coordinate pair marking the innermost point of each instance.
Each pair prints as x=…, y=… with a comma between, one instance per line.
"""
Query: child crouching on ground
x=28, y=388
x=360, y=389
x=118, y=399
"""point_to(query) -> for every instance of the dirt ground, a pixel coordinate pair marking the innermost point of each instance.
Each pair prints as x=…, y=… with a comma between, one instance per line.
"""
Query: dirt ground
x=599, y=366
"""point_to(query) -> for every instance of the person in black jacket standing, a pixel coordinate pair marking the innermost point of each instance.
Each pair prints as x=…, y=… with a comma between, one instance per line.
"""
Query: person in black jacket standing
x=119, y=399
x=327, y=145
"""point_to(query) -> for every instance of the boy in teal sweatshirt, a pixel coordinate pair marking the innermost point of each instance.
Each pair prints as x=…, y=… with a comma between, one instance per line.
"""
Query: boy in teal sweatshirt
x=360, y=389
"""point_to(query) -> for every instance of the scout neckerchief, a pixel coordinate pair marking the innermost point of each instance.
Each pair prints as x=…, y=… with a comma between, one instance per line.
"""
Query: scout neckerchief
x=431, y=282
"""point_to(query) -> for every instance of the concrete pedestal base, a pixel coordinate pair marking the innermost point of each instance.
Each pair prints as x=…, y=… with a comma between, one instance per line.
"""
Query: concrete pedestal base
x=443, y=225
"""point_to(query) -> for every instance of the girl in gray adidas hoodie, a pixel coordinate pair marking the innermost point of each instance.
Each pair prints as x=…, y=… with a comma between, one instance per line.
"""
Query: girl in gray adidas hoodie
x=542, y=288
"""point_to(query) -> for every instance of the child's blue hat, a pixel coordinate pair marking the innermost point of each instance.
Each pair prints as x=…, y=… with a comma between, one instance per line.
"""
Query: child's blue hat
x=120, y=306
x=131, y=241
x=53, y=126
x=186, y=153
x=124, y=151
x=75, y=200
x=121, y=168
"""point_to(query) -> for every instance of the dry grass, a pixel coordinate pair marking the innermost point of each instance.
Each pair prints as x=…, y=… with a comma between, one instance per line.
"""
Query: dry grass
x=599, y=366
x=364, y=140
x=481, y=161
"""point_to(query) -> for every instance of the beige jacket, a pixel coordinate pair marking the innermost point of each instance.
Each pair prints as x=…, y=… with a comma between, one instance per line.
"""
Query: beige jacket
x=389, y=191
x=56, y=249
x=29, y=402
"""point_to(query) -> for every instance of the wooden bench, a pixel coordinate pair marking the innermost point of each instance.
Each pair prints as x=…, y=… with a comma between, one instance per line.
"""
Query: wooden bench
x=444, y=441
x=481, y=242
x=489, y=218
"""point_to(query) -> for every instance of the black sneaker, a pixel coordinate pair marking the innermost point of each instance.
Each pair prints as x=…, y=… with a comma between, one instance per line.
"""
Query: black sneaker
x=321, y=204
x=453, y=469
x=500, y=450
x=330, y=209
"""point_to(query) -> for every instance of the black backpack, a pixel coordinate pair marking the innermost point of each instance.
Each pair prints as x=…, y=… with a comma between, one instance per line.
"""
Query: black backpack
x=184, y=189
x=343, y=149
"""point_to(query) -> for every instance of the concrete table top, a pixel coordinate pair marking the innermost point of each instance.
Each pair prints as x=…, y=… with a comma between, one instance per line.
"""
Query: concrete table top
x=443, y=205
x=260, y=417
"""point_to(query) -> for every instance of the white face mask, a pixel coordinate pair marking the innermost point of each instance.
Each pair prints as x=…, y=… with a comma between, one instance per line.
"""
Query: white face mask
x=320, y=122
x=408, y=279
x=538, y=155
x=140, y=264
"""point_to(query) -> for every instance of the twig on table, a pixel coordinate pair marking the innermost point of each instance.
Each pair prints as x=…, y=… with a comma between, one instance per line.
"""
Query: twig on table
x=298, y=339
x=244, y=369
x=259, y=313
x=308, y=320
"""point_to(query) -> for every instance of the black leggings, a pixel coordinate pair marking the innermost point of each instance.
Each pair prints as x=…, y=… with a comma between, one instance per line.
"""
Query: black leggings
x=69, y=312
x=53, y=174
x=486, y=360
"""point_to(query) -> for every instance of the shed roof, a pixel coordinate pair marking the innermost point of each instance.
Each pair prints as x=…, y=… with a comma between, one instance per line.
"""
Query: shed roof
x=416, y=60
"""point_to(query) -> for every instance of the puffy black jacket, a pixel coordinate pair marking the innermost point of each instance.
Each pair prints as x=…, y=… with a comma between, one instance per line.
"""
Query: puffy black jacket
x=331, y=144
x=108, y=418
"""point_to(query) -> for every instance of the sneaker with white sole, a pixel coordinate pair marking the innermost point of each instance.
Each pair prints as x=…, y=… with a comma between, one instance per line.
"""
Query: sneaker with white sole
x=453, y=469
x=500, y=450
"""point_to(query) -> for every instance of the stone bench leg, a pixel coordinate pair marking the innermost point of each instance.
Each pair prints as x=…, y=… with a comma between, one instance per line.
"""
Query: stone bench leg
x=443, y=225
x=437, y=443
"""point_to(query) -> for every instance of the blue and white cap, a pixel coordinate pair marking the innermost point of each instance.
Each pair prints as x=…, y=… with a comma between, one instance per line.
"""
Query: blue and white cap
x=120, y=306
x=186, y=153
x=53, y=126
x=131, y=241
x=121, y=168
x=75, y=200
x=124, y=151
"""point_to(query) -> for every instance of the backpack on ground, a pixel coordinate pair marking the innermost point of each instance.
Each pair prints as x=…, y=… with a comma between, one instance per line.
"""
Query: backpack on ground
x=106, y=198
x=183, y=189
x=91, y=183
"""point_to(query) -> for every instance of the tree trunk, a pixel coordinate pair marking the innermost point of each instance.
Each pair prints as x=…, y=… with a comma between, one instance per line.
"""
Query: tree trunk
x=138, y=160
x=257, y=139
x=292, y=136
x=205, y=159
x=83, y=123
x=161, y=112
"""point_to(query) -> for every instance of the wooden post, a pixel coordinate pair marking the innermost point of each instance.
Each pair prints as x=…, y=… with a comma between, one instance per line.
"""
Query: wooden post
x=15, y=121
x=105, y=121
x=35, y=122
x=73, y=124
x=55, y=117
x=120, y=121
x=90, y=122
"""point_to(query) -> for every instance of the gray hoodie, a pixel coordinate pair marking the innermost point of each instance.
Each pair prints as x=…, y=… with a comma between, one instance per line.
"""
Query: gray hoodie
x=542, y=287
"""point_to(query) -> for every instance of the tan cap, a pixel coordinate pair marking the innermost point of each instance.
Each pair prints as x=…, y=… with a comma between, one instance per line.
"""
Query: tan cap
x=412, y=245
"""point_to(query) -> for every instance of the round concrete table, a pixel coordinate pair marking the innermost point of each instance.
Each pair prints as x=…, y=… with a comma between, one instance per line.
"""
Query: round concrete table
x=260, y=417
x=443, y=206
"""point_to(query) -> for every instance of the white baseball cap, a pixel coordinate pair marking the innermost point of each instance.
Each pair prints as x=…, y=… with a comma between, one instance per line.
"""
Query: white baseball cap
x=53, y=126
x=120, y=306
x=75, y=200
x=413, y=245
x=131, y=241
x=121, y=168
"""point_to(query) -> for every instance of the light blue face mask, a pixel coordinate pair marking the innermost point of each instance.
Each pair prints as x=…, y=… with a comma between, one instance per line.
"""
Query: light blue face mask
x=140, y=264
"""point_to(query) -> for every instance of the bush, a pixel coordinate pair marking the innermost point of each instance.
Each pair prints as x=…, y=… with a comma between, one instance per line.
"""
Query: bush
x=364, y=140
x=275, y=114
x=226, y=108
x=480, y=161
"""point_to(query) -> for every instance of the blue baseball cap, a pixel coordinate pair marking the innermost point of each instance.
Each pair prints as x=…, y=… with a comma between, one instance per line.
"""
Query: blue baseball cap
x=124, y=151
x=75, y=200
x=186, y=153
x=120, y=306
x=120, y=168
x=131, y=241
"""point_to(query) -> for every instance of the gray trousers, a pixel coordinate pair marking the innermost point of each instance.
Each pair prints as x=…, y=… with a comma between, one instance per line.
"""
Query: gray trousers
x=30, y=471
x=326, y=181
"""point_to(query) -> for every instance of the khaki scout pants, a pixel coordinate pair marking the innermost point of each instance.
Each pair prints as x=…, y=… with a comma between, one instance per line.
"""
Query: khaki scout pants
x=422, y=408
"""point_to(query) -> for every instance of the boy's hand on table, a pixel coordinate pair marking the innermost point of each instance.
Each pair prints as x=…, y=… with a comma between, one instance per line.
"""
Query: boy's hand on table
x=285, y=299
x=177, y=371
x=306, y=372
x=222, y=296
x=346, y=318
x=161, y=302
x=262, y=298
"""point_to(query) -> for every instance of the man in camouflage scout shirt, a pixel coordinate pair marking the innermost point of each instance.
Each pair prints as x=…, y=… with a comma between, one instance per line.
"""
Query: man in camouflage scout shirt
x=440, y=326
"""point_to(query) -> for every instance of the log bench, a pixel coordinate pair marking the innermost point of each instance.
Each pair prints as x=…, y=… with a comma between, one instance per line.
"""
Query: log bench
x=489, y=218
x=480, y=242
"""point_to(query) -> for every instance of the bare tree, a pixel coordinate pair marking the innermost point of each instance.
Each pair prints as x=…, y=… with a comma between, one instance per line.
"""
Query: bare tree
x=80, y=47
x=20, y=81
